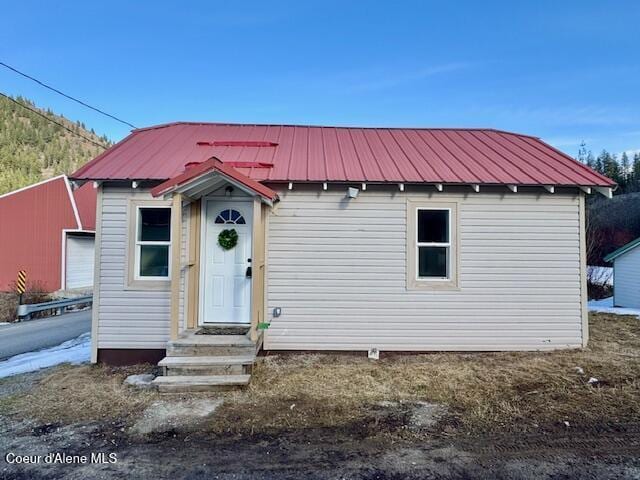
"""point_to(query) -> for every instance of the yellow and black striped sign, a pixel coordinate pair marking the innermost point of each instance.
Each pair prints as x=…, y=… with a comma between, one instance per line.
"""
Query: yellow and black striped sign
x=21, y=282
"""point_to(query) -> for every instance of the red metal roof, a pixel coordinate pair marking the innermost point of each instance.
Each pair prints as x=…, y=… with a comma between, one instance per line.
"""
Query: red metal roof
x=213, y=165
x=326, y=154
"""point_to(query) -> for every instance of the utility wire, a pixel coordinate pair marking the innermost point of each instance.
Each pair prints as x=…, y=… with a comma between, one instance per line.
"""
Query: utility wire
x=53, y=121
x=65, y=95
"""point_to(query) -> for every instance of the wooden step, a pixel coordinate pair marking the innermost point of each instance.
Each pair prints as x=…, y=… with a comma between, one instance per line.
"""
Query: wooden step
x=200, y=383
x=208, y=365
x=210, y=345
x=193, y=339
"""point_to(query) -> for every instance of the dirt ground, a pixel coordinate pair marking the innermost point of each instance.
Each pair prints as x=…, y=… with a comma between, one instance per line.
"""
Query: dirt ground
x=492, y=415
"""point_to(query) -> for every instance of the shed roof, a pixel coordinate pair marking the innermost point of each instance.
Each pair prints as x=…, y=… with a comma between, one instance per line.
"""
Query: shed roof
x=294, y=153
x=622, y=250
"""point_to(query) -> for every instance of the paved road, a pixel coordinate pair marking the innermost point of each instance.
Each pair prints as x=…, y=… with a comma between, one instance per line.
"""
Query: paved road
x=42, y=333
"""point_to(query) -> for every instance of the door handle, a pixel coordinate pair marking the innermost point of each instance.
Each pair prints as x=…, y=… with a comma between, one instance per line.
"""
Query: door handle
x=248, y=272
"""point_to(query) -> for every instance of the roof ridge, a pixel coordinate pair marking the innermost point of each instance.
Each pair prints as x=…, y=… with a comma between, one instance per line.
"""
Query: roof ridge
x=622, y=250
x=33, y=185
x=347, y=127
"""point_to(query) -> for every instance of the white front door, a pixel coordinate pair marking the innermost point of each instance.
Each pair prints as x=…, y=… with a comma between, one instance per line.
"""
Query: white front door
x=226, y=287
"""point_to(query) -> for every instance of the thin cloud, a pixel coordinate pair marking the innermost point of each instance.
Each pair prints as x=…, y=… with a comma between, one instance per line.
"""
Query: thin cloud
x=593, y=115
x=567, y=141
x=630, y=153
x=390, y=81
x=368, y=79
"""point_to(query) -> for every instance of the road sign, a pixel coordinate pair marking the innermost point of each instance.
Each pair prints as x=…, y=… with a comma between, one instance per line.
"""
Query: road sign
x=21, y=282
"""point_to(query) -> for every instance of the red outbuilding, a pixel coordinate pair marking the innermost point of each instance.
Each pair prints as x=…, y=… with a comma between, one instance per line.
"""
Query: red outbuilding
x=47, y=229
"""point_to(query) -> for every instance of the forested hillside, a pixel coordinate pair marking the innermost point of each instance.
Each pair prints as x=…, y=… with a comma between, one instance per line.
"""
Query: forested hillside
x=612, y=223
x=33, y=149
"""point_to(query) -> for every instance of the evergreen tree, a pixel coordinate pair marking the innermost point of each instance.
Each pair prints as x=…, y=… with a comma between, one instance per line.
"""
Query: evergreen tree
x=583, y=154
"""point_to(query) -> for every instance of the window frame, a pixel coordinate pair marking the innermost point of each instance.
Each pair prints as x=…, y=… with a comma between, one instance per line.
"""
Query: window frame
x=446, y=245
x=229, y=221
x=140, y=243
x=414, y=281
x=133, y=280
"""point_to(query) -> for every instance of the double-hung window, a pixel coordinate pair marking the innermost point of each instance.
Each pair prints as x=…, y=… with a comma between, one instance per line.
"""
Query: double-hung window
x=152, y=243
x=431, y=245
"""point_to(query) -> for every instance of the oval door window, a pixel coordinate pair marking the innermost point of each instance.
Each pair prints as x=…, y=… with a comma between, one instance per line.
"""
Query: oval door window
x=230, y=216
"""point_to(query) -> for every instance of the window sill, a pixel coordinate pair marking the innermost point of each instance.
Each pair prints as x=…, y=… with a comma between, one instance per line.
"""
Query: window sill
x=161, y=285
x=433, y=285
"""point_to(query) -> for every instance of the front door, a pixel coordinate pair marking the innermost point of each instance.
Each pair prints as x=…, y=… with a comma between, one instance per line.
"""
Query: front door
x=226, y=274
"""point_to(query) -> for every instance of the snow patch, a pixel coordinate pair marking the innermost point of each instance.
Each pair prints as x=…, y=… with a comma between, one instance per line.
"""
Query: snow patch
x=170, y=415
x=426, y=415
x=77, y=350
x=600, y=275
x=142, y=381
x=606, y=306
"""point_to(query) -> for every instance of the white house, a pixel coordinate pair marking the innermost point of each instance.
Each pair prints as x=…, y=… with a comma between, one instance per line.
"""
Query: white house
x=355, y=239
x=626, y=275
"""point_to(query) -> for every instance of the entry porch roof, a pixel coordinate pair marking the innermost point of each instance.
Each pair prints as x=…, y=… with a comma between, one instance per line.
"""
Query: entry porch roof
x=197, y=179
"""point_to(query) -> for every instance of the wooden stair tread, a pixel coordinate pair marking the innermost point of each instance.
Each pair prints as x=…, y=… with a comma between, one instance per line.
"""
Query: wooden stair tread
x=202, y=380
x=213, y=340
x=207, y=360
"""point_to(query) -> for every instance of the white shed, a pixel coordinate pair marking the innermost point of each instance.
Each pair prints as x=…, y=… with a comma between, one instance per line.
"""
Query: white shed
x=626, y=275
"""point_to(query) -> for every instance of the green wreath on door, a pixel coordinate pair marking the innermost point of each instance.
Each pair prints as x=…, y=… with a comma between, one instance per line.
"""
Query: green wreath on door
x=228, y=239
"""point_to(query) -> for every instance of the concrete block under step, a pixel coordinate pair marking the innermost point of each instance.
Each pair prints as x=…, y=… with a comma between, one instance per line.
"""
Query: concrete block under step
x=208, y=365
x=200, y=383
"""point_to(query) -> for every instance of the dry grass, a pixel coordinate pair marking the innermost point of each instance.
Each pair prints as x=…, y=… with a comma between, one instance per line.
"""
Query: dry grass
x=9, y=301
x=8, y=306
x=483, y=391
x=81, y=394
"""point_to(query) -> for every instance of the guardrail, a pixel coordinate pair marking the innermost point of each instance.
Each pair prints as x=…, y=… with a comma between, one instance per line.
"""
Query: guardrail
x=25, y=311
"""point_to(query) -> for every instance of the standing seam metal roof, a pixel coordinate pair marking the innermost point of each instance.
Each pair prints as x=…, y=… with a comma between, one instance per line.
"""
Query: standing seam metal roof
x=347, y=154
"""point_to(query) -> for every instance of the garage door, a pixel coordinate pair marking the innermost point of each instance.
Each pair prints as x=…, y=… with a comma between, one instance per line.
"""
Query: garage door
x=79, y=259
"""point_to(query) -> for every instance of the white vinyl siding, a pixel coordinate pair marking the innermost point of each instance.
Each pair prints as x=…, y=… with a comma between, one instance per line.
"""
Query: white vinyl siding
x=79, y=261
x=337, y=269
x=626, y=279
x=127, y=317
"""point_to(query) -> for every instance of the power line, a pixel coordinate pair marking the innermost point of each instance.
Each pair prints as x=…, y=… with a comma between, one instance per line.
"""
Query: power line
x=53, y=121
x=65, y=95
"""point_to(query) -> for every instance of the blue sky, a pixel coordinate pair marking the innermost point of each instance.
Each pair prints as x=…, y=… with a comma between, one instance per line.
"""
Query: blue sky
x=566, y=71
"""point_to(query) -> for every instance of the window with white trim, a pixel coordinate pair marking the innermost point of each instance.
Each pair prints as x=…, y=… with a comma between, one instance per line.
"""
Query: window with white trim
x=433, y=243
x=153, y=243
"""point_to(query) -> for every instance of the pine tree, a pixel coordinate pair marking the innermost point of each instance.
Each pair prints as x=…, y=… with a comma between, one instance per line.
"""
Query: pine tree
x=636, y=173
x=625, y=168
x=582, y=153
